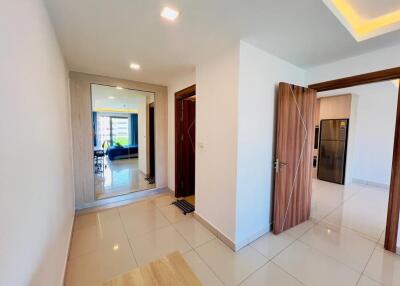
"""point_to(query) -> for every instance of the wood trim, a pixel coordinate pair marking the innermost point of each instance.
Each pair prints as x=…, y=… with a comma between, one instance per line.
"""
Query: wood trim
x=184, y=93
x=392, y=222
x=377, y=76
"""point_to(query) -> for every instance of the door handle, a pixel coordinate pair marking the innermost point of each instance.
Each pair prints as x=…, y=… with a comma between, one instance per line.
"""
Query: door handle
x=279, y=165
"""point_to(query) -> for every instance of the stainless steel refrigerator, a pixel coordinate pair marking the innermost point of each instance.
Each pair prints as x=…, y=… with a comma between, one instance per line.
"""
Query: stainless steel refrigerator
x=332, y=150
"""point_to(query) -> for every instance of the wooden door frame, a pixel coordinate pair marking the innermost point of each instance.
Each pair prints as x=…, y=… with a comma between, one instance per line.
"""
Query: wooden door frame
x=152, y=141
x=392, y=222
x=180, y=95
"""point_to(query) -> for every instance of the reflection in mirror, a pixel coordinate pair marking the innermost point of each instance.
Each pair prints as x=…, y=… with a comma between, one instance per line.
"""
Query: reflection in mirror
x=123, y=140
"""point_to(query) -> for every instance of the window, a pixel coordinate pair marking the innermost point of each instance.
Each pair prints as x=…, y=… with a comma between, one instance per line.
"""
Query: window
x=119, y=130
x=112, y=130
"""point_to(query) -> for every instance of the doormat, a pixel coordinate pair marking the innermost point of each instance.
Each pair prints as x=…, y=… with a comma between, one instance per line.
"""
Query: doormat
x=184, y=205
x=150, y=180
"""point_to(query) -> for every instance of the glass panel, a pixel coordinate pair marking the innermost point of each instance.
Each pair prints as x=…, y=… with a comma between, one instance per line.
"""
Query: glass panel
x=103, y=131
x=120, y=131
x=123, y=141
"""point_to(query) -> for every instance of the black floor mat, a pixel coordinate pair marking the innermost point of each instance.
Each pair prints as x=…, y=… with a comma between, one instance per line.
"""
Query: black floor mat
x=184, y=205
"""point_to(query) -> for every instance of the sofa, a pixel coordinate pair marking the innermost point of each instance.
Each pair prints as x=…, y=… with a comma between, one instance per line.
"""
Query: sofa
x=122, y=152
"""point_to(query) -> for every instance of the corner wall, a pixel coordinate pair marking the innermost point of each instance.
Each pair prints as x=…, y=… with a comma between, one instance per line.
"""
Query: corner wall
x=217, y=90
x=235, y=117
x=36, y=181
x=260, y=74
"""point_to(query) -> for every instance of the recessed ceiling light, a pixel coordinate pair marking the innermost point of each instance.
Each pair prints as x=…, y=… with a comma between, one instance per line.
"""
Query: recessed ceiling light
x=134, y=66
x=111, y=97
x=119, y=88
x=169, y=14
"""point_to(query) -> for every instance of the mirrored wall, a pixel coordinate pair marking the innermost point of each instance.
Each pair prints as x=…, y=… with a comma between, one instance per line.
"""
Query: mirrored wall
x=123, y=140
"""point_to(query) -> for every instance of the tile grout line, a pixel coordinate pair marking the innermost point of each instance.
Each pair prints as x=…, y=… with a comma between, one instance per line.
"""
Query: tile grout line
x=369, y=259
x=270, y=260
x=206, y=264
x=322, y=220
x=129, y=241
x=194, y=249
x=278, y=253
x=284, y=270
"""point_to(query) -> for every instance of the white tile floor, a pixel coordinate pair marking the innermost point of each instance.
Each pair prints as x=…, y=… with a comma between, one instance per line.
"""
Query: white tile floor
x=120, y=177
x=340, y=245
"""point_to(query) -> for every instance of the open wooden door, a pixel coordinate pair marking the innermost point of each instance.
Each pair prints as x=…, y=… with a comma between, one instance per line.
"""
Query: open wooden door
x=293, y=165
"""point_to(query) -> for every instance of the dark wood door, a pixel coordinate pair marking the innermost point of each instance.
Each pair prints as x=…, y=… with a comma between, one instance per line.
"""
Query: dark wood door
x=152, y=153
x=186, y=146
x=293, y=165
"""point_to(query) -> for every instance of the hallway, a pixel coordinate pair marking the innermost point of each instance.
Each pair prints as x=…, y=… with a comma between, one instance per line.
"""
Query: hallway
x=341, y=245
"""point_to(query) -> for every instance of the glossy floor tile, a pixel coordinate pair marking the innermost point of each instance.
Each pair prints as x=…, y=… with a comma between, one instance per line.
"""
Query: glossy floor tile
x=158, y=243
x=270, y=245
x=365, y=281
x=365, y=212
x=312, y=267
x=271, y=274
x=384, y=267
x=231, y=267
x=120, y=177
x=174, y=214
x=342, y=244
x=202, y=271
x=194, y=232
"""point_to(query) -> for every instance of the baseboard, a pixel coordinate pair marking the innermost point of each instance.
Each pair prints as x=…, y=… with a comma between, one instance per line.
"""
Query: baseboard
x=226, y=240
x=252, y=238
x=120, y=200
x=171, y=191
x=370, y=183
x=69, y=248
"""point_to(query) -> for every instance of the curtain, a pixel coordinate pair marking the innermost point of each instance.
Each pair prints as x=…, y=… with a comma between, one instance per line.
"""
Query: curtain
x=134, y=129
x=94, y=118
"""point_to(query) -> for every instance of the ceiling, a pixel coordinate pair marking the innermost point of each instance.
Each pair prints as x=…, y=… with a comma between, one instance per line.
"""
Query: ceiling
x=372, y=9
x=110, y=99
x=103, y=36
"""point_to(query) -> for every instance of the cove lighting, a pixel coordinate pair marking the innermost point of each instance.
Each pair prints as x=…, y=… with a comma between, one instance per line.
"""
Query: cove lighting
x=358, y=26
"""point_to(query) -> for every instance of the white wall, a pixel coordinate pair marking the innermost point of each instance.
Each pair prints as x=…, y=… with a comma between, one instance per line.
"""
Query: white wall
x=36, y=197
x=216, y=135
x=236, y=93
x=178, y=83
x=259, y=76
x=374, y=133
x=371, y=131
x=374, y=61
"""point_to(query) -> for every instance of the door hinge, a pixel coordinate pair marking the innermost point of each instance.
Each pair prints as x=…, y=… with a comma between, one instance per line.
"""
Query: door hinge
x=278, y=165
